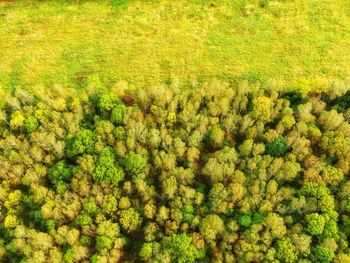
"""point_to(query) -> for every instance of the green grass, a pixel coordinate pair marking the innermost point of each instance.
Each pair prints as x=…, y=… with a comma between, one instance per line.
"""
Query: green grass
x=81, y=43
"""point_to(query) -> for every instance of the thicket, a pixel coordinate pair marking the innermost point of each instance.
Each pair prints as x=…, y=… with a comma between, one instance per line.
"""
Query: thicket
x=212, y=173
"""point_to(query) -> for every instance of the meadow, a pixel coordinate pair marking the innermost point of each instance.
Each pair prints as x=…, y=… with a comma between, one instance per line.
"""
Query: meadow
x=73, y=43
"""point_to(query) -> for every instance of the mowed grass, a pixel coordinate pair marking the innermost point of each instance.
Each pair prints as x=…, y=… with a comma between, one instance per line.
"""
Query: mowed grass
x=82, y=43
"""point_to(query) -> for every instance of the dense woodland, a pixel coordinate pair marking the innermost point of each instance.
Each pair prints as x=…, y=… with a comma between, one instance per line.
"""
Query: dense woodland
x=206, y=172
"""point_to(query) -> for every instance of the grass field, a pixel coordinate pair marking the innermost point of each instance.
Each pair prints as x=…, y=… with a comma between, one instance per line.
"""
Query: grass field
x=76, y=43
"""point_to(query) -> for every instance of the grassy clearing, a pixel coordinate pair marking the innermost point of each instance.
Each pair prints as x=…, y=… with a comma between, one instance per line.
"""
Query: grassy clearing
x=146, y=42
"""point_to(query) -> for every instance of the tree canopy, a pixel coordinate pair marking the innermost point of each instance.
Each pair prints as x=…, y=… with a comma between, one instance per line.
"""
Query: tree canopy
x=211, y=173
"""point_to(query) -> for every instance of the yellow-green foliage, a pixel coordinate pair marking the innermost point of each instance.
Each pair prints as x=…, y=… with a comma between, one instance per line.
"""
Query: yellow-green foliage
x=119, y=141
x=175, y=174
x=93, y=43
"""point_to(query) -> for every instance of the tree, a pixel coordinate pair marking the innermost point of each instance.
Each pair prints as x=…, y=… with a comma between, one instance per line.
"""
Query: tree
x=170, y=187
x=211, y=226
x=106, y=234
x=261, y=108
x=277, y=148
x=302, y=243
x=215, y=137
x=330, y=120
x=134, y=163
x=119, y=133
x=146, y=250
x=289, y=171
x=342, y=258
x=105, y=101
x=315, y=224
x=220, y=165
x=334, y=143
x=244, y=220
x=332, y=175
x=103, y=242
x=60, y=175
x=325, y=202
x=331, y=230
x=118, y=113
x=246, y=147
x=83, y=220
x=321, y=254
x=276, y=224
x=17, y=120
x=107, y=169
x=130, y=219
x=188, y=213
x=285, y=250
x=181, y=249
x=10, y=221
x=31, y=124
x=83, y=142
x=218, y=198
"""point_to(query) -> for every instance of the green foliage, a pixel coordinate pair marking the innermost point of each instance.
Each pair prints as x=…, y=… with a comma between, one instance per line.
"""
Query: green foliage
x=285, y=251
x=211, y=226
x=130, y=219
x=118, y=113
x=331, y=230
x=105, y=101
x=50, y=224
x=188, y=213
x=103, y=242
x=261, y=108
x=94, y=258
x=107, y=169
x=134, y=163
x=341, y=103
x=146, y=250
x=68, y=256
x=183, y=173
x=321, y=254
x=83, y=220
x=91, y=208
x=31, y=124
x=215, y=136
x=325, y=201
x=108, y=228
x=119, y=2
x=277, y=148
x=181, y=249
x=86, y=241
x=60, y=174
x=315, y=224
x=333, y=142
x=83, y=142
x=244, y=220
x=119, y=133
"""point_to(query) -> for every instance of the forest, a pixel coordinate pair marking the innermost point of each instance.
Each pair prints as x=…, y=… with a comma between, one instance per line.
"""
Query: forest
x=199, y=173
x=174, y=131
